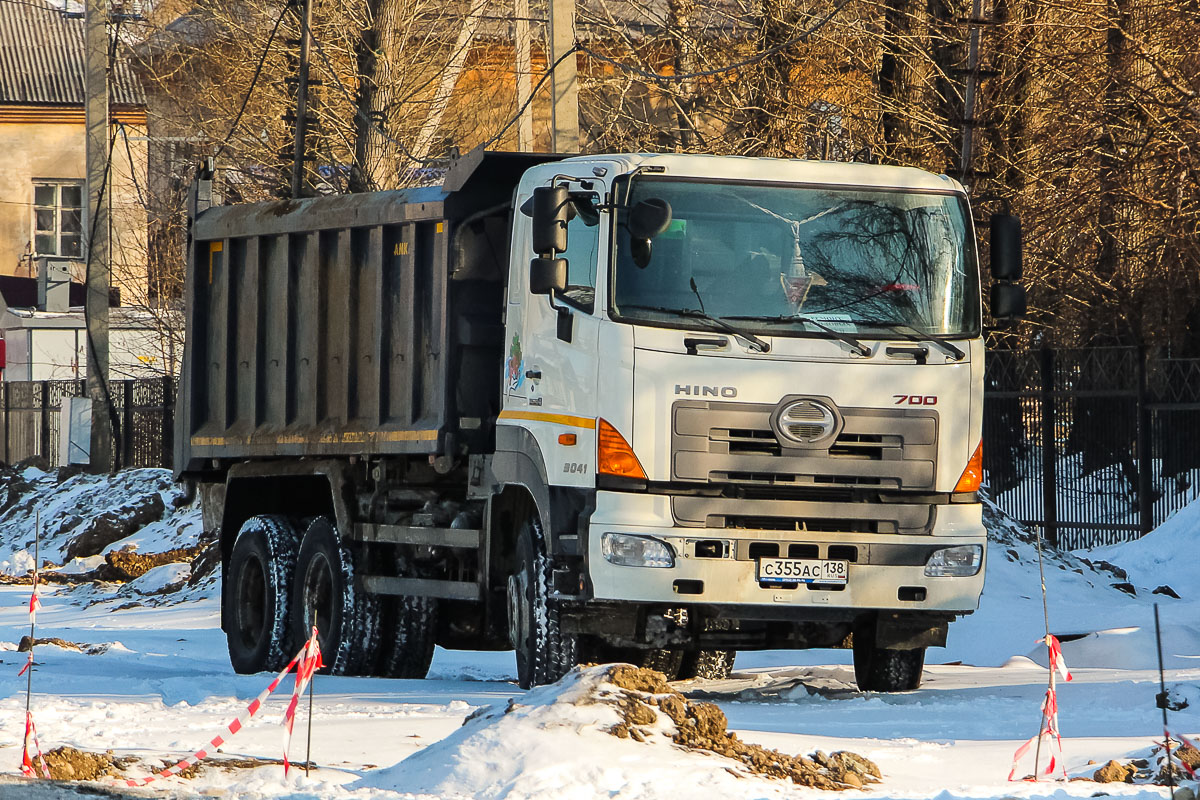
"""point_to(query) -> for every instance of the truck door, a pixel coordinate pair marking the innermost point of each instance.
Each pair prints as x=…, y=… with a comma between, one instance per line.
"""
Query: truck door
x=551, y=375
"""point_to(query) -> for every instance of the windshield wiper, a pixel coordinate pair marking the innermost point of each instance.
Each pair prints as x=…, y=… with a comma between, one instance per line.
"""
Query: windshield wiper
x=759, y=344
x=841, y=336
x=915, y=335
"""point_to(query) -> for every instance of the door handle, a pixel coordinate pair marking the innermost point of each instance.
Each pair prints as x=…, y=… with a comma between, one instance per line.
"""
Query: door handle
x=692, y=343
x=533, y=374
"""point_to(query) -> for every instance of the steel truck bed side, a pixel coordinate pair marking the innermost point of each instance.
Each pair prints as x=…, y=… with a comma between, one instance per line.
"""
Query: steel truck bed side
x=366, y=324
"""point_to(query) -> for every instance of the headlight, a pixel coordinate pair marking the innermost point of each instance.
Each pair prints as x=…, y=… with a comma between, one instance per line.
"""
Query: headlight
x=955, y=562
x=636, y=551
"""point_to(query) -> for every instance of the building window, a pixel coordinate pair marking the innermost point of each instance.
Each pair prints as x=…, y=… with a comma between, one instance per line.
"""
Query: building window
x=58, y=219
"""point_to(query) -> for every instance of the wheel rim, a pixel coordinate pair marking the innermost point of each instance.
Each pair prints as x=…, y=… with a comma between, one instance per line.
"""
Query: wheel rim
x=251, y=603
x=518, y=613
x=317, y=597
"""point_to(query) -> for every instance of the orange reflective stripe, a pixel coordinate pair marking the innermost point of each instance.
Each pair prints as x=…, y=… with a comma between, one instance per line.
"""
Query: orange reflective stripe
x=558, y=419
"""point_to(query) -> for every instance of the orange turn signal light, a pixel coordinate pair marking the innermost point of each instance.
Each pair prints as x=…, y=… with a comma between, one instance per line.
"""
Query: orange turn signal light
x=972, y=476
x=614, y=456
x=567, y=438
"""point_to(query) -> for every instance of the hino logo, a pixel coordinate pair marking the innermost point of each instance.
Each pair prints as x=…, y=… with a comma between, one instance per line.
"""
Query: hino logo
x=806, y=422
x=705, y=391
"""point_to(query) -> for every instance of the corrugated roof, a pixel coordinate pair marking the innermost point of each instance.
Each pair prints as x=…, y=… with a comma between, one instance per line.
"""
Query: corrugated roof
x=41, y=59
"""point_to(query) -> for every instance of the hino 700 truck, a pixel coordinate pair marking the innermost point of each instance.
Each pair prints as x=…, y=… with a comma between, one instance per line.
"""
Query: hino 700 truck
x=647, y=408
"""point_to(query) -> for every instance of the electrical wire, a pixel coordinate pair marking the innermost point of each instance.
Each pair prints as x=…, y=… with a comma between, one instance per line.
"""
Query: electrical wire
x=532, y=94
x=262, y=59
x=358, y=112
x=770, y=51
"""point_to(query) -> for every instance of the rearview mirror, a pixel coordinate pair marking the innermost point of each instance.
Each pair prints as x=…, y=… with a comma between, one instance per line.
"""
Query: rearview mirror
x=649, y=218
x=1006, y=247
x=551, y=210
x=1008, y=301
x=547, y=275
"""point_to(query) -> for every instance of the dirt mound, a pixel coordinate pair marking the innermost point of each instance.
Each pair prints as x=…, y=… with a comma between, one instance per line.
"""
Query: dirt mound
x=89, y=649
x=126, y=565
x=69, y=764
x=1143, y=770
x=645, y=697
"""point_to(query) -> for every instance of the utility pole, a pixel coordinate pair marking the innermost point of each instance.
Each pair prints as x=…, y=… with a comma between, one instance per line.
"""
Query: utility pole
x=96, y=64
x=965, y=173
x=565, y=81
x=524, y=79
x=299, y=150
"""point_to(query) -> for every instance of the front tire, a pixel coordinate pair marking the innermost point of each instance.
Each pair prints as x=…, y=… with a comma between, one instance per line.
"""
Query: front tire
x=712, y=665
x=325, y=595
x=544, y=652
x=879, y=670
x=256, y=592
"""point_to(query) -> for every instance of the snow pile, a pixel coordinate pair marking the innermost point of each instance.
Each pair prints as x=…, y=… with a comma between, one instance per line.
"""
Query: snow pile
x=609, y=729
x=1103, y=619
x=1165, y=556
x=134, y=533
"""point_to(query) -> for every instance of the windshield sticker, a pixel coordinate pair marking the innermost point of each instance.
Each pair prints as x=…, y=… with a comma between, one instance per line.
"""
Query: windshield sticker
x=516, y=365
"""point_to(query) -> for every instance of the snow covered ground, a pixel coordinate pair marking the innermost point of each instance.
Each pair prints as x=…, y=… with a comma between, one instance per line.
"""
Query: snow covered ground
x=158, y=685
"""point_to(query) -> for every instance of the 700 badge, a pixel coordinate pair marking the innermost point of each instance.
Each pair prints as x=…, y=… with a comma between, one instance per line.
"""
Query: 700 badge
x=915, y=399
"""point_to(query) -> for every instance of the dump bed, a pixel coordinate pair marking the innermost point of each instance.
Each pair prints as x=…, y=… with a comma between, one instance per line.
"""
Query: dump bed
x=362, y=324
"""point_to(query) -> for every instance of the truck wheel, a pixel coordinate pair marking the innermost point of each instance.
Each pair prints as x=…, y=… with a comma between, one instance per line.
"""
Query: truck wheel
x=668, y=662
x=412, y=622
x=879, y=670
x=255, y=594
x=345, y=617
x=713, y=665
x=544, y=652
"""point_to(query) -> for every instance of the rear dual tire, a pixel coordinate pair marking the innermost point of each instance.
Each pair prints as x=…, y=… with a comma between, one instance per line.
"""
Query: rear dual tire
x=255, y=595
x=278, y=584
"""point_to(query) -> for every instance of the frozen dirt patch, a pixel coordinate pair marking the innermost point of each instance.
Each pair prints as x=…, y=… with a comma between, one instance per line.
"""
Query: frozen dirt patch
x=607, y=729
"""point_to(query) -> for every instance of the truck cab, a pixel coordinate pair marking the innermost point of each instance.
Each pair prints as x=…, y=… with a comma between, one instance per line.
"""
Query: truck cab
x=760, y=384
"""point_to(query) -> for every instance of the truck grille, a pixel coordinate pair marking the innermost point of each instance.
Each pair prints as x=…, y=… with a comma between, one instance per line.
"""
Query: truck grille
x=716, y=442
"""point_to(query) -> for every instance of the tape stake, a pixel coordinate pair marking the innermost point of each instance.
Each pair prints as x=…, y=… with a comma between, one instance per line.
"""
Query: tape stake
x=309, y=663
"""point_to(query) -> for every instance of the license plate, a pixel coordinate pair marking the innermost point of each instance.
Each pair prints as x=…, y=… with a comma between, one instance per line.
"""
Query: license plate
x=801, y=570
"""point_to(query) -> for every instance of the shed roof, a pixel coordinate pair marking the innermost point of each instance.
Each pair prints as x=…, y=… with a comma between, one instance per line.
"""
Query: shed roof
x=42, y=59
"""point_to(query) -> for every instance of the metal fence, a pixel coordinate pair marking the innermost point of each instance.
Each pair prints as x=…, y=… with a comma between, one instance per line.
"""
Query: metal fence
x=143, y=431
x=1094, y=446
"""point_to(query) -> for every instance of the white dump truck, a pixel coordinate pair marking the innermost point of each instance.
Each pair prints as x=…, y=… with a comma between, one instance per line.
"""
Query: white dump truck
x=649, y=408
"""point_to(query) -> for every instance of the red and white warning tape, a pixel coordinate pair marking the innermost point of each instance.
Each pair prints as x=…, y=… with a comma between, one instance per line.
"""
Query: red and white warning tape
x=1187, y=743
x=26, y=760
x=306, y=662
x=1049, y=729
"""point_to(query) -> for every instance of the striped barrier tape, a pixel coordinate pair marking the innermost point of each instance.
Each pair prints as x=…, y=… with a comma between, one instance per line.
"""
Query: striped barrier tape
x=1186, y=743
x=307, y=661
x=26, y=761
x=1049, y=729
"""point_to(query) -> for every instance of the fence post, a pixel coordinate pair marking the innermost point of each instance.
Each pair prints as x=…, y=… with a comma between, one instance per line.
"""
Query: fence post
x=4, y=394
x=1145, y=489
x=44, y=432
x=1049, y=450
x=125, y=450
x=168, y=422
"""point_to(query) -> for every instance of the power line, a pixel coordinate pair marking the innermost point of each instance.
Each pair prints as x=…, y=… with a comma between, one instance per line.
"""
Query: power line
x=532, y=94
x=262, y=59
x=770, y=51
x=358, y=112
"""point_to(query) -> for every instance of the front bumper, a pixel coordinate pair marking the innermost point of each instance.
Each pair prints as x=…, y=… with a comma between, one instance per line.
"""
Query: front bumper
x=888, y=571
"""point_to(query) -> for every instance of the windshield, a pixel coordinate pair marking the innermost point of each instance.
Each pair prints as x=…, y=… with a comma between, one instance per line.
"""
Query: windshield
x=801, y=260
